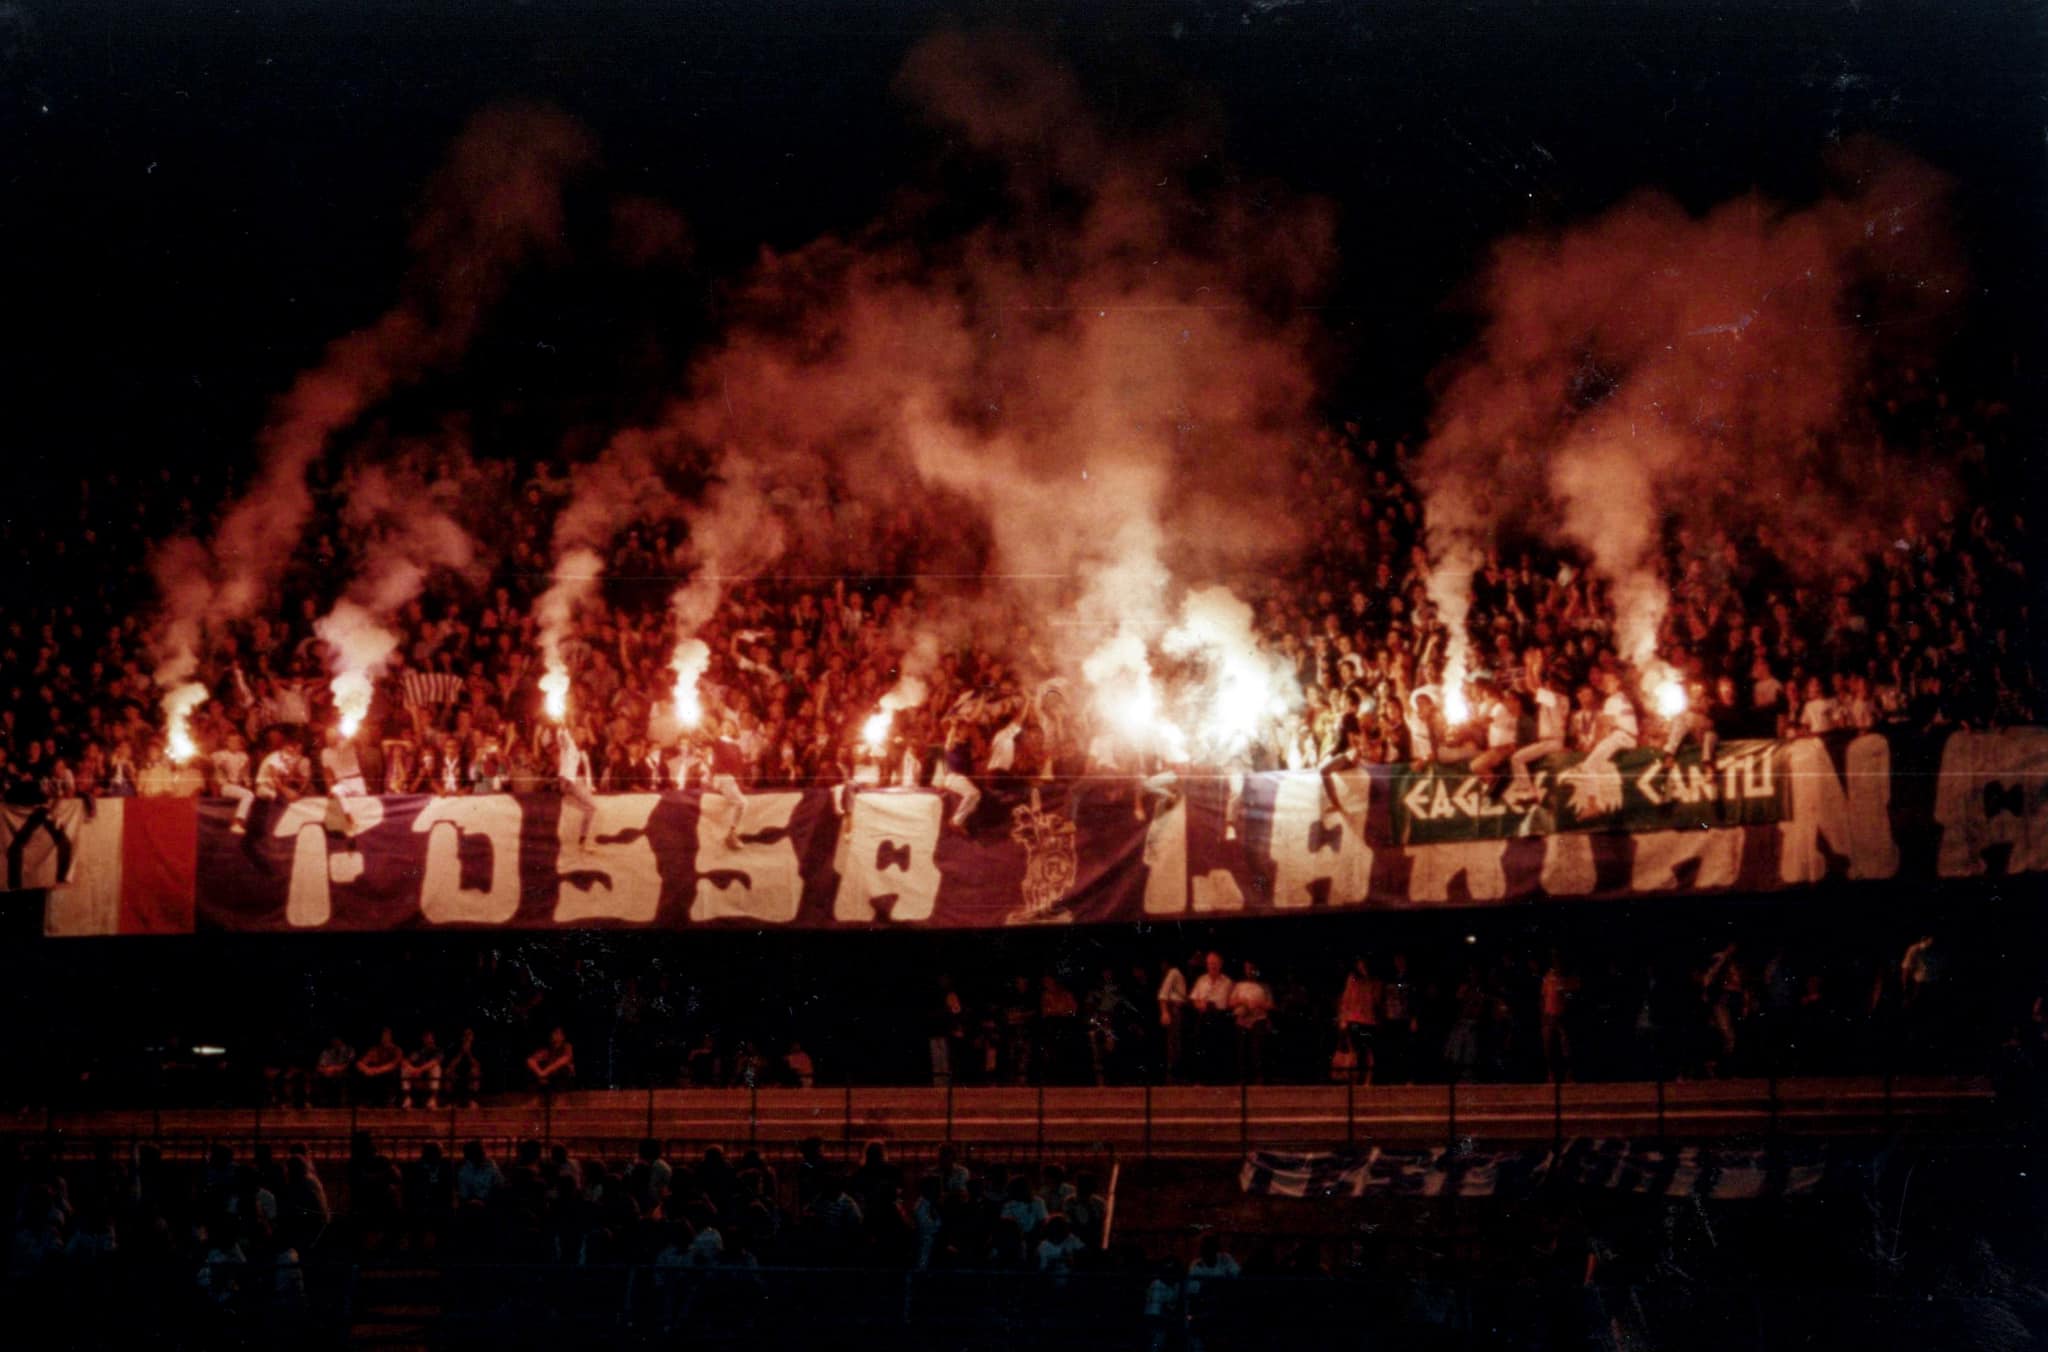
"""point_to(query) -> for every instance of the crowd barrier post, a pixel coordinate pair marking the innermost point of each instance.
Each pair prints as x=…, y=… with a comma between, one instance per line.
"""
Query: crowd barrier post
x=256, y=1122
x=753, y=1116
x=1556, y=1111
x=351, y=1118
x=1771, y=1083
x=1661, y=1134
x=650, y=1110
x=1350, y=1111
x=1244, y=1117
x=452, y=1111
x=949, y=1108
x=846, y=1125
x=1451, y=1111
x=547, y=1116
x=1148, y=1124
x=1041, y=1125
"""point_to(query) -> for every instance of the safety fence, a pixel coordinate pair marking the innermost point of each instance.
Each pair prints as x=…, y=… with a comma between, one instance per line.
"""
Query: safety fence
x=1179, y=1121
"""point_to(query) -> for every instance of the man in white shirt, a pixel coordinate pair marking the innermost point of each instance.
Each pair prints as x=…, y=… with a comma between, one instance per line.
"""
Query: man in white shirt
x=1002, y=748
x=1617, y=729
x=1501, y=713
x=572, y=776
x=280, y=778
x=1550, y=721
x=1251, y=1005
x=343, y=770
x=1215, y=1030
x=1173, y=1008
x=231, y=778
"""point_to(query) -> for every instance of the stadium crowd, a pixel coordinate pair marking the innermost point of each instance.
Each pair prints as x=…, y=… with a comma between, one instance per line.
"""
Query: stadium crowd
x=1467, y=1010
x=1928, y=626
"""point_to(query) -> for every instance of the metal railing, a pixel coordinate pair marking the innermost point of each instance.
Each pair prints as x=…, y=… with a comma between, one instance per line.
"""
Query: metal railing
x=1135, y=1122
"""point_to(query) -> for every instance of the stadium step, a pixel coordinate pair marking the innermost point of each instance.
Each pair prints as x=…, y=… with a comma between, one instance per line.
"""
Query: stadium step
x=396, y=1308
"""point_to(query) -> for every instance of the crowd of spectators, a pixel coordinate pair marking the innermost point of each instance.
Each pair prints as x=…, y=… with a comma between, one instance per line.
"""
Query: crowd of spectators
x=1926, y=624
x=1460, y=1009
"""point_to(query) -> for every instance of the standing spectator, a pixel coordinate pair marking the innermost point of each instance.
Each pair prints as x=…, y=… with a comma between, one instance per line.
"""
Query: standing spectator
x=1555, y=997
x=1358, y=1017
x=331, y=1072
x=1251, y=1005
x=1215, y=1029
x=1173, y=1016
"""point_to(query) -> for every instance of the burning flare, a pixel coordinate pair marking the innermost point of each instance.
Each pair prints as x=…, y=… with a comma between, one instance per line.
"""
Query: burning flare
x=691, y=657
x=179, y=703
x=554, y=689
x=351, y=700
x=1667, y=692
x=875, y=731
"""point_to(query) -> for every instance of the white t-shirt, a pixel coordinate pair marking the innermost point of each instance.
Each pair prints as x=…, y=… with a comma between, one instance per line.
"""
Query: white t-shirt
x=1620, y=714
x=1817, y=715
x=344, y=769
x=1174, y=989
x=1550, y=713
x=570, y=762
x=1211, y=992
x=276, y=773
x=231, y=767
x=1500, y=724
x=1058, y=1257
x=1002, y=748
x=1251, y=1002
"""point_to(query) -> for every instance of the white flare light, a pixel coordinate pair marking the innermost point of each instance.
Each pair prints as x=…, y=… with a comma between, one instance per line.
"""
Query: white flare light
x=178, y=706
x=875, y=731
x=1457, y=709
x=554, y=690
x=1670, y=697
x=691, y=657
x=352, y=693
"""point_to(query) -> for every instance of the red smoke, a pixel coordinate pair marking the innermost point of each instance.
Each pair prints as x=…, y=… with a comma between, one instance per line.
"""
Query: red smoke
x=494, y=203
x=1653, y=363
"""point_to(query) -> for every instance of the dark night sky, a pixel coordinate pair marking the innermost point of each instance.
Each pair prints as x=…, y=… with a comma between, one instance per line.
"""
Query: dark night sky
x=197, y=196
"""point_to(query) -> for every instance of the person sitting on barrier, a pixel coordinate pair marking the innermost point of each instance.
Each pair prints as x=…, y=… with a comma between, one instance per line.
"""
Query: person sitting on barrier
x=553, y=1066
x=377, y=1070
x=421, y=1068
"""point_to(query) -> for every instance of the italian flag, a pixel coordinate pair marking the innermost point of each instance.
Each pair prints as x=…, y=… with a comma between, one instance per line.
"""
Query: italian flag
x=133, y=868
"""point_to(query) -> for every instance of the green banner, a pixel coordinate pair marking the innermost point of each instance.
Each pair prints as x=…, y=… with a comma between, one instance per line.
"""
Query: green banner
x=1639, y=790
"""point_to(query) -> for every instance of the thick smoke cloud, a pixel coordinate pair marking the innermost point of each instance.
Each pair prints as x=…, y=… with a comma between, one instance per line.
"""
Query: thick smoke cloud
x=1653, y=365
x=1092, y=395
x=408, y=530
x=494, y=203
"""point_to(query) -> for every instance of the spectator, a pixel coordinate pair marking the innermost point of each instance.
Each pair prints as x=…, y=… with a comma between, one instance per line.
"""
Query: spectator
x=378, y=1070
x=553, y=1064
x=421, y=1068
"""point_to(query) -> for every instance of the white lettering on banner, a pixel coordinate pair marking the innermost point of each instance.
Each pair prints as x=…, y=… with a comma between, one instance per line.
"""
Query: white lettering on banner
x=443, y=898
x=1853, y=817
x=618, y=877
x=1568, y=864
x=1658, y=855
x=316, y=862
x=758, y=881
x=1432, y=868
x=890, y=851
x=1993, y=791
x=1217, y=890
x=1310, y=847
x=1166, y=859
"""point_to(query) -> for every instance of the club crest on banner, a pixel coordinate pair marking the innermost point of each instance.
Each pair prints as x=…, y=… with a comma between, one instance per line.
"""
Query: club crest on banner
x=1050, y=864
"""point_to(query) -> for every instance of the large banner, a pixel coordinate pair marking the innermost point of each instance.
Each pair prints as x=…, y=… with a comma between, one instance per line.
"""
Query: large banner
x=1638, y=790
x=1849, y=807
